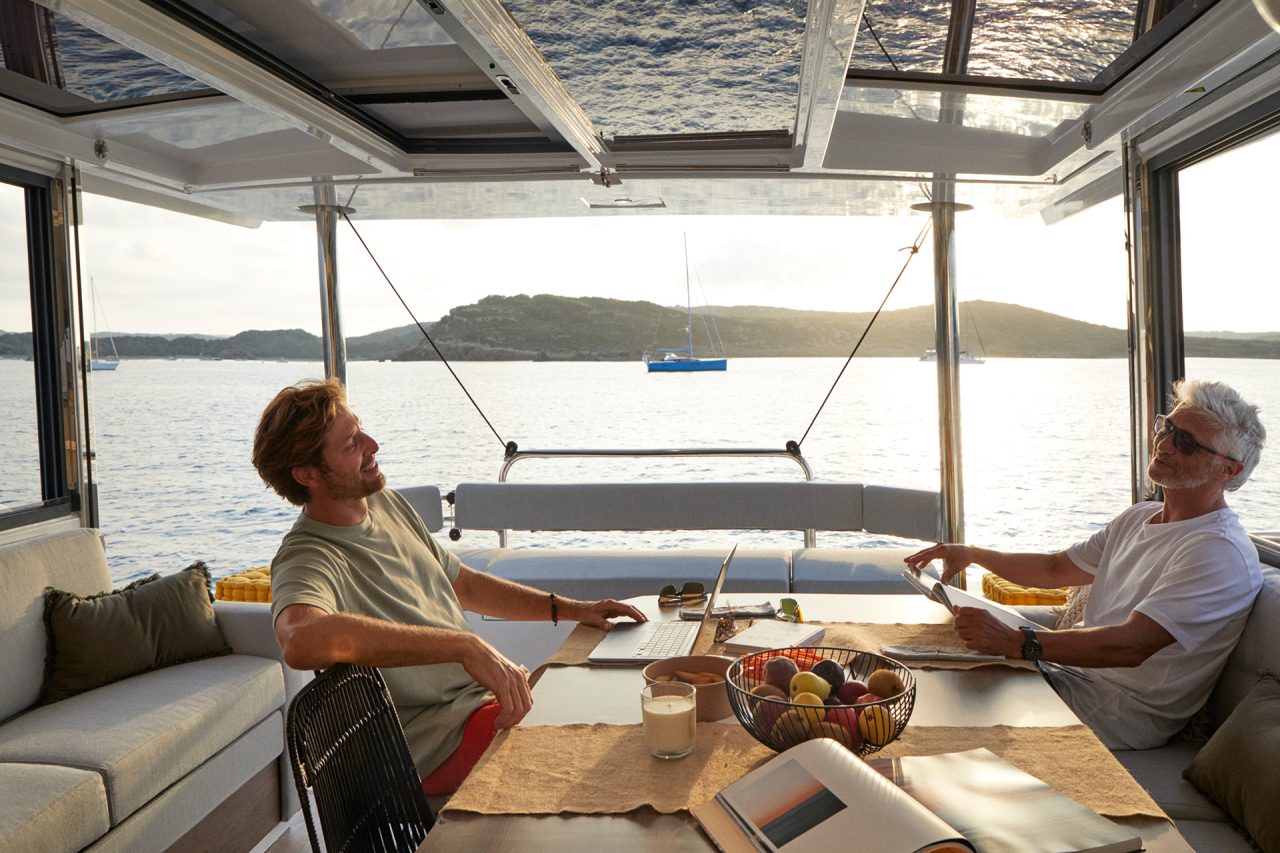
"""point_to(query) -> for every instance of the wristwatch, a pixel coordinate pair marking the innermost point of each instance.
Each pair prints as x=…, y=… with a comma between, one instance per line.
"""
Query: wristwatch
x=1031, y=649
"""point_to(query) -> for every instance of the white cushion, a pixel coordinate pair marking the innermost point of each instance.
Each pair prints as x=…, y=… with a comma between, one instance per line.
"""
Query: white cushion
x=49, y=808
x=72, y=560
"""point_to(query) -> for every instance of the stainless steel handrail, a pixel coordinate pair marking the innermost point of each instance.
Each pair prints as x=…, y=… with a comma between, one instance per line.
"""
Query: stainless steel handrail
x=791, y=451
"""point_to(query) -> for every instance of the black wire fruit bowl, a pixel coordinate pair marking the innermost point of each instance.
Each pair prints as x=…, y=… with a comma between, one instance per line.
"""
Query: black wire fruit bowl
x=780, y=723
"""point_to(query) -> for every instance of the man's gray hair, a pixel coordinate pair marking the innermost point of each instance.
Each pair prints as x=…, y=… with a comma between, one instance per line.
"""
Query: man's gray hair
x=1242, y=432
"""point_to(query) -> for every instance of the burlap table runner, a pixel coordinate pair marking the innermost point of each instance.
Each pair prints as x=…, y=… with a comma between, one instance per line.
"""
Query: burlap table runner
x=606, y=769
x=863, y=635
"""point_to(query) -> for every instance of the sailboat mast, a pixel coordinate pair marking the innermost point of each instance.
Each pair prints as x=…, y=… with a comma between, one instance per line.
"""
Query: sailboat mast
x=688, y=296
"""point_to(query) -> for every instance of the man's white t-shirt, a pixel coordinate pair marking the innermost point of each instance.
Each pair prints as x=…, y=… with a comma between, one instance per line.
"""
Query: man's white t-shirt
x=1197, y=579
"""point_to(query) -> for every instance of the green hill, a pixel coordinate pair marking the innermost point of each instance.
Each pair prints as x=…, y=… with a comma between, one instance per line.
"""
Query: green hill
x=562, y=328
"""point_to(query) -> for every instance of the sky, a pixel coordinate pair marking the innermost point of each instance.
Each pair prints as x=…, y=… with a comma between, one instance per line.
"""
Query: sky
x=166, y=273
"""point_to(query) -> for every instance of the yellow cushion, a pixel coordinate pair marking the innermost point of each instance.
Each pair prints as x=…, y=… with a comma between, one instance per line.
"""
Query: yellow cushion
x=250, y=585
x=1000, y=590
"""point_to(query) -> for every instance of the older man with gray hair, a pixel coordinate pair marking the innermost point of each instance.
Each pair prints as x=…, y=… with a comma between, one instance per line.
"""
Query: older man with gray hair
x=1172, y=582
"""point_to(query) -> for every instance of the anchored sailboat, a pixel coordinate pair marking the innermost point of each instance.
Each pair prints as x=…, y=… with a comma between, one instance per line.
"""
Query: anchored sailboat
x=682, y=359
x=966, y=357
x=97, y=361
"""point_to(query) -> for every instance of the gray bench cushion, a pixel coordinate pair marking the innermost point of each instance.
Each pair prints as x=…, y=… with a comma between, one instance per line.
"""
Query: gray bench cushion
x=426, y=501
x=144, y=733
x=621, y=574
x=167, y=818
x=1213, y=837
x=850, y=570
x=659, y=506
x=1258, y=651
x=73, y=561
x=48, y=808
x=1160, y=772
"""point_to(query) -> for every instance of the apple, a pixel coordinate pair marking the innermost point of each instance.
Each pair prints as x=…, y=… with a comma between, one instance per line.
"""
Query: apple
x=767, y=712
x=779, y=671
x=807, y=682
x=768, y=690
x=847, y=719
x=830, y=671
x=849, y=692
x=866, y=698
x=885, y=682
x=791, y=728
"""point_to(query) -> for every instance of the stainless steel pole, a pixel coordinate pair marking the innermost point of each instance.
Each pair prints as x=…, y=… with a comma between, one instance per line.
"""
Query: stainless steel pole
x=947, y=346
x=326, y=211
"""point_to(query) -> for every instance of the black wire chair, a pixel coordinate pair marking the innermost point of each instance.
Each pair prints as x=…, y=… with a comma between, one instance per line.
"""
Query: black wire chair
x=346, y=745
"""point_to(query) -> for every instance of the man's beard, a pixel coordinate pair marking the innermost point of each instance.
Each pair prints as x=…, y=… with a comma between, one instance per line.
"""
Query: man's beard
x=1178, y=480
x=352, y=487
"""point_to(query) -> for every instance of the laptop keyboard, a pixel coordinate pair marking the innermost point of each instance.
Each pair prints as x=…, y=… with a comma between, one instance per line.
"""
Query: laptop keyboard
x=667, y=639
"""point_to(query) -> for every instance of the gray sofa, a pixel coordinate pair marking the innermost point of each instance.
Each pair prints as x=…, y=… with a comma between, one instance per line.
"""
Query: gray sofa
x=1202, y=822
x=171, y=758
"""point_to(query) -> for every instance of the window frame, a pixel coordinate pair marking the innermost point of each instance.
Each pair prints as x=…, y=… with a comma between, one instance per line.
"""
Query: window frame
x=58, y=499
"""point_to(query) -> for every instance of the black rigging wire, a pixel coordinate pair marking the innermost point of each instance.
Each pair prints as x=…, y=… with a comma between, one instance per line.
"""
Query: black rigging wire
x=422, y=329
x=913, y=249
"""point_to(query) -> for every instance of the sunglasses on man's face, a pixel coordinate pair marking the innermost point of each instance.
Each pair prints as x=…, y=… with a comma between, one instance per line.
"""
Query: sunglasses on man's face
x=1183, y=441
x=691, y=593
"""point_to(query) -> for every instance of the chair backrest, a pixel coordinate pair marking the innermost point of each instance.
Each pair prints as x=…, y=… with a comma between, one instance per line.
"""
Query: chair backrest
x=346, y=745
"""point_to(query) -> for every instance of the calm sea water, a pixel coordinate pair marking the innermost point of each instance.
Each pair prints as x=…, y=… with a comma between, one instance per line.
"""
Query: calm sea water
x=1046, y=442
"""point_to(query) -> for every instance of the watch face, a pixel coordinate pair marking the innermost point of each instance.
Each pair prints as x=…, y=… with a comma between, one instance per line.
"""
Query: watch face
x=1031, y=648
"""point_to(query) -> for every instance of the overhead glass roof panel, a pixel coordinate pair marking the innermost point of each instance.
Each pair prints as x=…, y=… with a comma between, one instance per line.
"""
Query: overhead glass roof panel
x=1066, y=40
x=1010, y=114
x=77, y=69
x=902, y=36
x=639, y=68
x=385, y=24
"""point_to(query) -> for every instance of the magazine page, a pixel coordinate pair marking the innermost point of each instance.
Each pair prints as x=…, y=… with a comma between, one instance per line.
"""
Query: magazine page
x=1005, y=614
x=1001, y=809
x=818, y=796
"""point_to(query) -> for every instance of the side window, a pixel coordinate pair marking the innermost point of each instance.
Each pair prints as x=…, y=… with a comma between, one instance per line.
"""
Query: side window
x=1231, y=297
x=20, y=448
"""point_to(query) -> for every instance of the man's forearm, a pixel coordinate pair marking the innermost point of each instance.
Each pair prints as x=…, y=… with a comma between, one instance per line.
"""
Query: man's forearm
x=365, y=641
x=1038, y=570
x=493, y=596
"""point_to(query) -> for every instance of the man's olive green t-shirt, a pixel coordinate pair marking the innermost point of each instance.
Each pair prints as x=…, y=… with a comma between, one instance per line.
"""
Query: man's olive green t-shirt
x=388, y=567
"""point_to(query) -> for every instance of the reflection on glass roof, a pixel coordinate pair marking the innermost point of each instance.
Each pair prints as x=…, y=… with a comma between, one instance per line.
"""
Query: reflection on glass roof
x=97, y=68
x=68, y=58
x=1051, y=40
x=1069, y=40
x=902, y=36
x=385, y=24
x=1033, y=117
x=638, y=67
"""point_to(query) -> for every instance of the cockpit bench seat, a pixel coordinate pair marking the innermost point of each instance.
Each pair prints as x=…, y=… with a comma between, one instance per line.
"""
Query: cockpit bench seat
x=138, y=763
x=1204, y=824
x=892, y=513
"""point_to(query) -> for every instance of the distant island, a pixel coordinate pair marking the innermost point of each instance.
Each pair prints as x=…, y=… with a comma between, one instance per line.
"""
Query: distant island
x=561, y=328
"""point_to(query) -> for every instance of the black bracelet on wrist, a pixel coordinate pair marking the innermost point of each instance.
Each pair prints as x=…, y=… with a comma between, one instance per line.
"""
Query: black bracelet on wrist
x=555, y=617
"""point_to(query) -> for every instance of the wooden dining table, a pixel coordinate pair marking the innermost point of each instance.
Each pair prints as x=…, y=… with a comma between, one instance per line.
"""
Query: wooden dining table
x=564, y=695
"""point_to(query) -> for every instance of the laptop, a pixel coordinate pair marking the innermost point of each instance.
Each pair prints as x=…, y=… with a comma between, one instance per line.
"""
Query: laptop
x=642, y=642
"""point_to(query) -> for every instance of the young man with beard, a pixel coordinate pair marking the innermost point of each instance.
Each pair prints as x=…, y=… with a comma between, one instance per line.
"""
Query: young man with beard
x=1172, y=581
x=360, y=580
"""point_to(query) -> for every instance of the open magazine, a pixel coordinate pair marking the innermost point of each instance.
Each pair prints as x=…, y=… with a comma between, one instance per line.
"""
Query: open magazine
x=952, y=597
x=818, y=796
